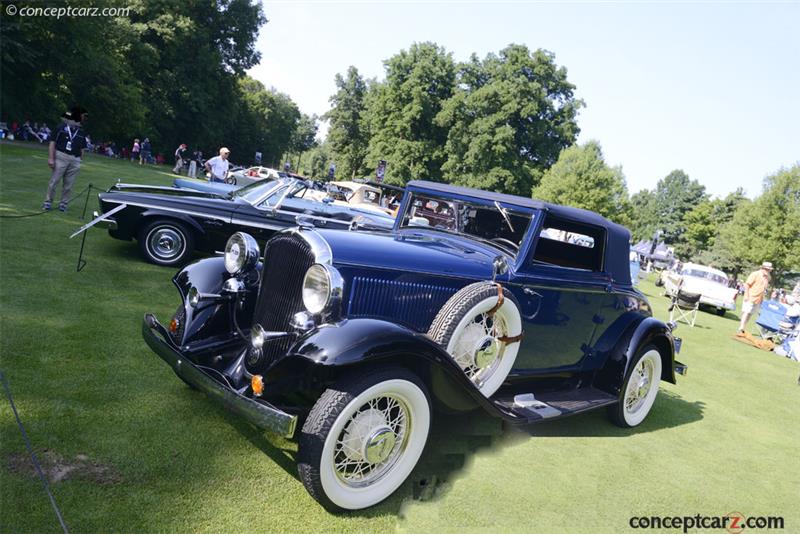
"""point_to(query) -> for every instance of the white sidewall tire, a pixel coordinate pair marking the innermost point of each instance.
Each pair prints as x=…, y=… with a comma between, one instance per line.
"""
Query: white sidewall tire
x=636, y=418
x=352, y=498
x=511, y=315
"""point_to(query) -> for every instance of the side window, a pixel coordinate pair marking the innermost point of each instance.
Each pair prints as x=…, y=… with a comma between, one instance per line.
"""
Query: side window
x=569, y=244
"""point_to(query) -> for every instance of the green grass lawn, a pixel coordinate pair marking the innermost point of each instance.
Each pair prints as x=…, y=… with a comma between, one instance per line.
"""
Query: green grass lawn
x=137, y=451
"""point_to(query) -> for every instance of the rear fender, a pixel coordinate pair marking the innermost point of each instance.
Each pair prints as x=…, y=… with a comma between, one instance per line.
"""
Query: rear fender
x=357, y=344
x=638, y=333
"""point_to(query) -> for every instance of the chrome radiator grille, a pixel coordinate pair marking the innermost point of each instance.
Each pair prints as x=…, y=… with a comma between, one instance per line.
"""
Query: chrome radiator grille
x=407, y=302
x=286, y=260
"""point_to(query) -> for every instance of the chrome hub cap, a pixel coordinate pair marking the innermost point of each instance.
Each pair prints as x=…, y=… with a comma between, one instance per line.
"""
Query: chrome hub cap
x=378, y=447
x=166, y=243
x=486, y=352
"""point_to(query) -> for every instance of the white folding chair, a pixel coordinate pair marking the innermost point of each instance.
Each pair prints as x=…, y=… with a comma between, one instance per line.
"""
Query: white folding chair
x=684, y=307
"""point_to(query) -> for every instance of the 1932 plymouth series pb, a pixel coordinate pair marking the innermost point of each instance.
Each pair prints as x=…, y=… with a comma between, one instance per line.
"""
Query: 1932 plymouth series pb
x=474, y=299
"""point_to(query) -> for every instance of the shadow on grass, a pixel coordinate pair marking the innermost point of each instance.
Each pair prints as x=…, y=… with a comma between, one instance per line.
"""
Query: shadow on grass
x=455, y=439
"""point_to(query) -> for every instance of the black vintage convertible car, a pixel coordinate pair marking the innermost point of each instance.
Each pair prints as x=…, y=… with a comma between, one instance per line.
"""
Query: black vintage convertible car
x=170, y=223
x=349, y=340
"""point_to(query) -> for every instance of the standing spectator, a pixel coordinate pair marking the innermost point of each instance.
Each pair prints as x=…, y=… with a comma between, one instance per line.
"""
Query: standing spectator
x=65, y=152
x=754, y=288
x=218, y=166
x=192, y=172
x=144, y=158
x=135, y=150
x=179, y=153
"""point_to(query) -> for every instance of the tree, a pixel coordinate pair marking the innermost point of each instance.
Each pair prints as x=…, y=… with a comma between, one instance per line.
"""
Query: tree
x=348, y=134
x=581, y=178
x=510, y=117
x=402, y=109
x=136, y=75
x=767, y=229
x=674, y=196
x=702, y=223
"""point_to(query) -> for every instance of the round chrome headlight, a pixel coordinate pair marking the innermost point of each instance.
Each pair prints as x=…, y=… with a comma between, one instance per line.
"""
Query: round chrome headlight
x=241, y=253
x=316, y=288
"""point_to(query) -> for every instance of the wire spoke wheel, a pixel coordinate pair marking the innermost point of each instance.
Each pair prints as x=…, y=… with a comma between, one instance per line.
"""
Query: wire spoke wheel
x=639, y=391
x=363, y=438
x=474, y=327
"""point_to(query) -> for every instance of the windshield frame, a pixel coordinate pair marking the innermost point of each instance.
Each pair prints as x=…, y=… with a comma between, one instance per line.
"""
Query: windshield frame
x=458, y=203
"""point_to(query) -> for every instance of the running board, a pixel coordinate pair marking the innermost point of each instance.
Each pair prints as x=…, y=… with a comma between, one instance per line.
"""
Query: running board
x=532, y=408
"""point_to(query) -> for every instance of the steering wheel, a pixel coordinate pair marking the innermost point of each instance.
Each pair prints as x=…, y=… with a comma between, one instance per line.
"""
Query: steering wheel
x=506, y=243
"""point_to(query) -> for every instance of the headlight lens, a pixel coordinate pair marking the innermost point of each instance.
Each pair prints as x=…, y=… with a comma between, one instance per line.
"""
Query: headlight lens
x=316, y=288
x=241, y=253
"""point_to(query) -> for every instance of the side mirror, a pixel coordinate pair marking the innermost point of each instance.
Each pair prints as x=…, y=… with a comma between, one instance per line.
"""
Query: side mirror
x=327, y=200
x=499, y=267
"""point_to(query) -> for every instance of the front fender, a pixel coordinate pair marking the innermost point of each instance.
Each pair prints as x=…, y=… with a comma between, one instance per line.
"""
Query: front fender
x=353, y=344
x=211, y=321
x=639, y=333
x=163, y=214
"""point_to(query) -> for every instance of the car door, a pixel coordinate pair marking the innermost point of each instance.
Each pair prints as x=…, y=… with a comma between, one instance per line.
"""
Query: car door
x=565, y=298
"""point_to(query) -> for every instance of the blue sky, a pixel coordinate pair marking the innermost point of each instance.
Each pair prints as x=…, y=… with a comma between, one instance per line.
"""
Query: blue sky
x=711, y=88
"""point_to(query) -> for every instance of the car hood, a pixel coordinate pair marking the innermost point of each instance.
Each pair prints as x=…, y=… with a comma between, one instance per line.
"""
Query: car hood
x=161, y=191
x=413, y=251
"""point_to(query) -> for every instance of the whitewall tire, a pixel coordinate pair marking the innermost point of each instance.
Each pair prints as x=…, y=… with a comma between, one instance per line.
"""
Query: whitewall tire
x=363, y=438
x=639, y=390
x=476, y=332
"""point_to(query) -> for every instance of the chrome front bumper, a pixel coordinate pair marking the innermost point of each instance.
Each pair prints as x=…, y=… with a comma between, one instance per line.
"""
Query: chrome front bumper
x=259, y=413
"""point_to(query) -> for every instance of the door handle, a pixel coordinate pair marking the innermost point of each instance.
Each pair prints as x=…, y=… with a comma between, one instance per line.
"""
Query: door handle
x=530, y=292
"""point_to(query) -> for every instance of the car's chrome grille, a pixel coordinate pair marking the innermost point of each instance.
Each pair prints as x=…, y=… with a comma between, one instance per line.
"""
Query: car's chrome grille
x=286, y=260
x=411, y=303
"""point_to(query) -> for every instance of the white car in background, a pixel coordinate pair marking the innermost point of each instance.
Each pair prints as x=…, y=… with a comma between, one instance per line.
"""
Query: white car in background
x=710, y=283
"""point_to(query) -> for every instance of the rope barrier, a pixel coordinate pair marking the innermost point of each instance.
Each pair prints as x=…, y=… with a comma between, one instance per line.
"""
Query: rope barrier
x=32, y=454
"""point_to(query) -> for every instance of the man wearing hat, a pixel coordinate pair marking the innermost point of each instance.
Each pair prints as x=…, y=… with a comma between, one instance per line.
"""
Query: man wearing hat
x=218, y=166
x=754, y=288
x=65, y=152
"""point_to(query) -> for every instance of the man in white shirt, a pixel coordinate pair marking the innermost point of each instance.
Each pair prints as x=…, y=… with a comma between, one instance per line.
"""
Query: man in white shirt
x=218, y=166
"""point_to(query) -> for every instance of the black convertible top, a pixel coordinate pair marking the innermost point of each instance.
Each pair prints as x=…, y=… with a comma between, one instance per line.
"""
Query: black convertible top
x=618, y=237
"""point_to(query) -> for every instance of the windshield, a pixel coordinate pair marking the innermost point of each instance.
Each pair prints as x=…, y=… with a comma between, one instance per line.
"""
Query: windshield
x=707, y=275
x=252, y=192
x=505, y=228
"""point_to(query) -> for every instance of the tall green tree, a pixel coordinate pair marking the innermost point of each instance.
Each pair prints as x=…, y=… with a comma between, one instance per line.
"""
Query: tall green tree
x=137, y=75
x=348, y=133
x=767, y=229
x=402, y=110
x=509, y=119
x=674, y=196
x=581, y=178
x=703, y=222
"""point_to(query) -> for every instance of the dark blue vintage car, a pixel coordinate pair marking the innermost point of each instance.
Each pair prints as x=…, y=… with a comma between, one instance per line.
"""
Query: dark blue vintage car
x=475, y=299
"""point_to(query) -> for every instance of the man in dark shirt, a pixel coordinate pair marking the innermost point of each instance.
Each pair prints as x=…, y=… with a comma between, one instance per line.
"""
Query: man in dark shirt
x=65, y=152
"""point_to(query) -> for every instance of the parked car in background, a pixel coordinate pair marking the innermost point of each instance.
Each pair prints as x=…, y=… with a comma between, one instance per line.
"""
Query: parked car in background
x=711, y=284
x=348, y=341
x=170, y=223
x=356, y=194
x=253, y=174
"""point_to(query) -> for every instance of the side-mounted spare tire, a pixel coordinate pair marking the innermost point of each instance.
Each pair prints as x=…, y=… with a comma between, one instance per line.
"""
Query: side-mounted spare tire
x=480, y=327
